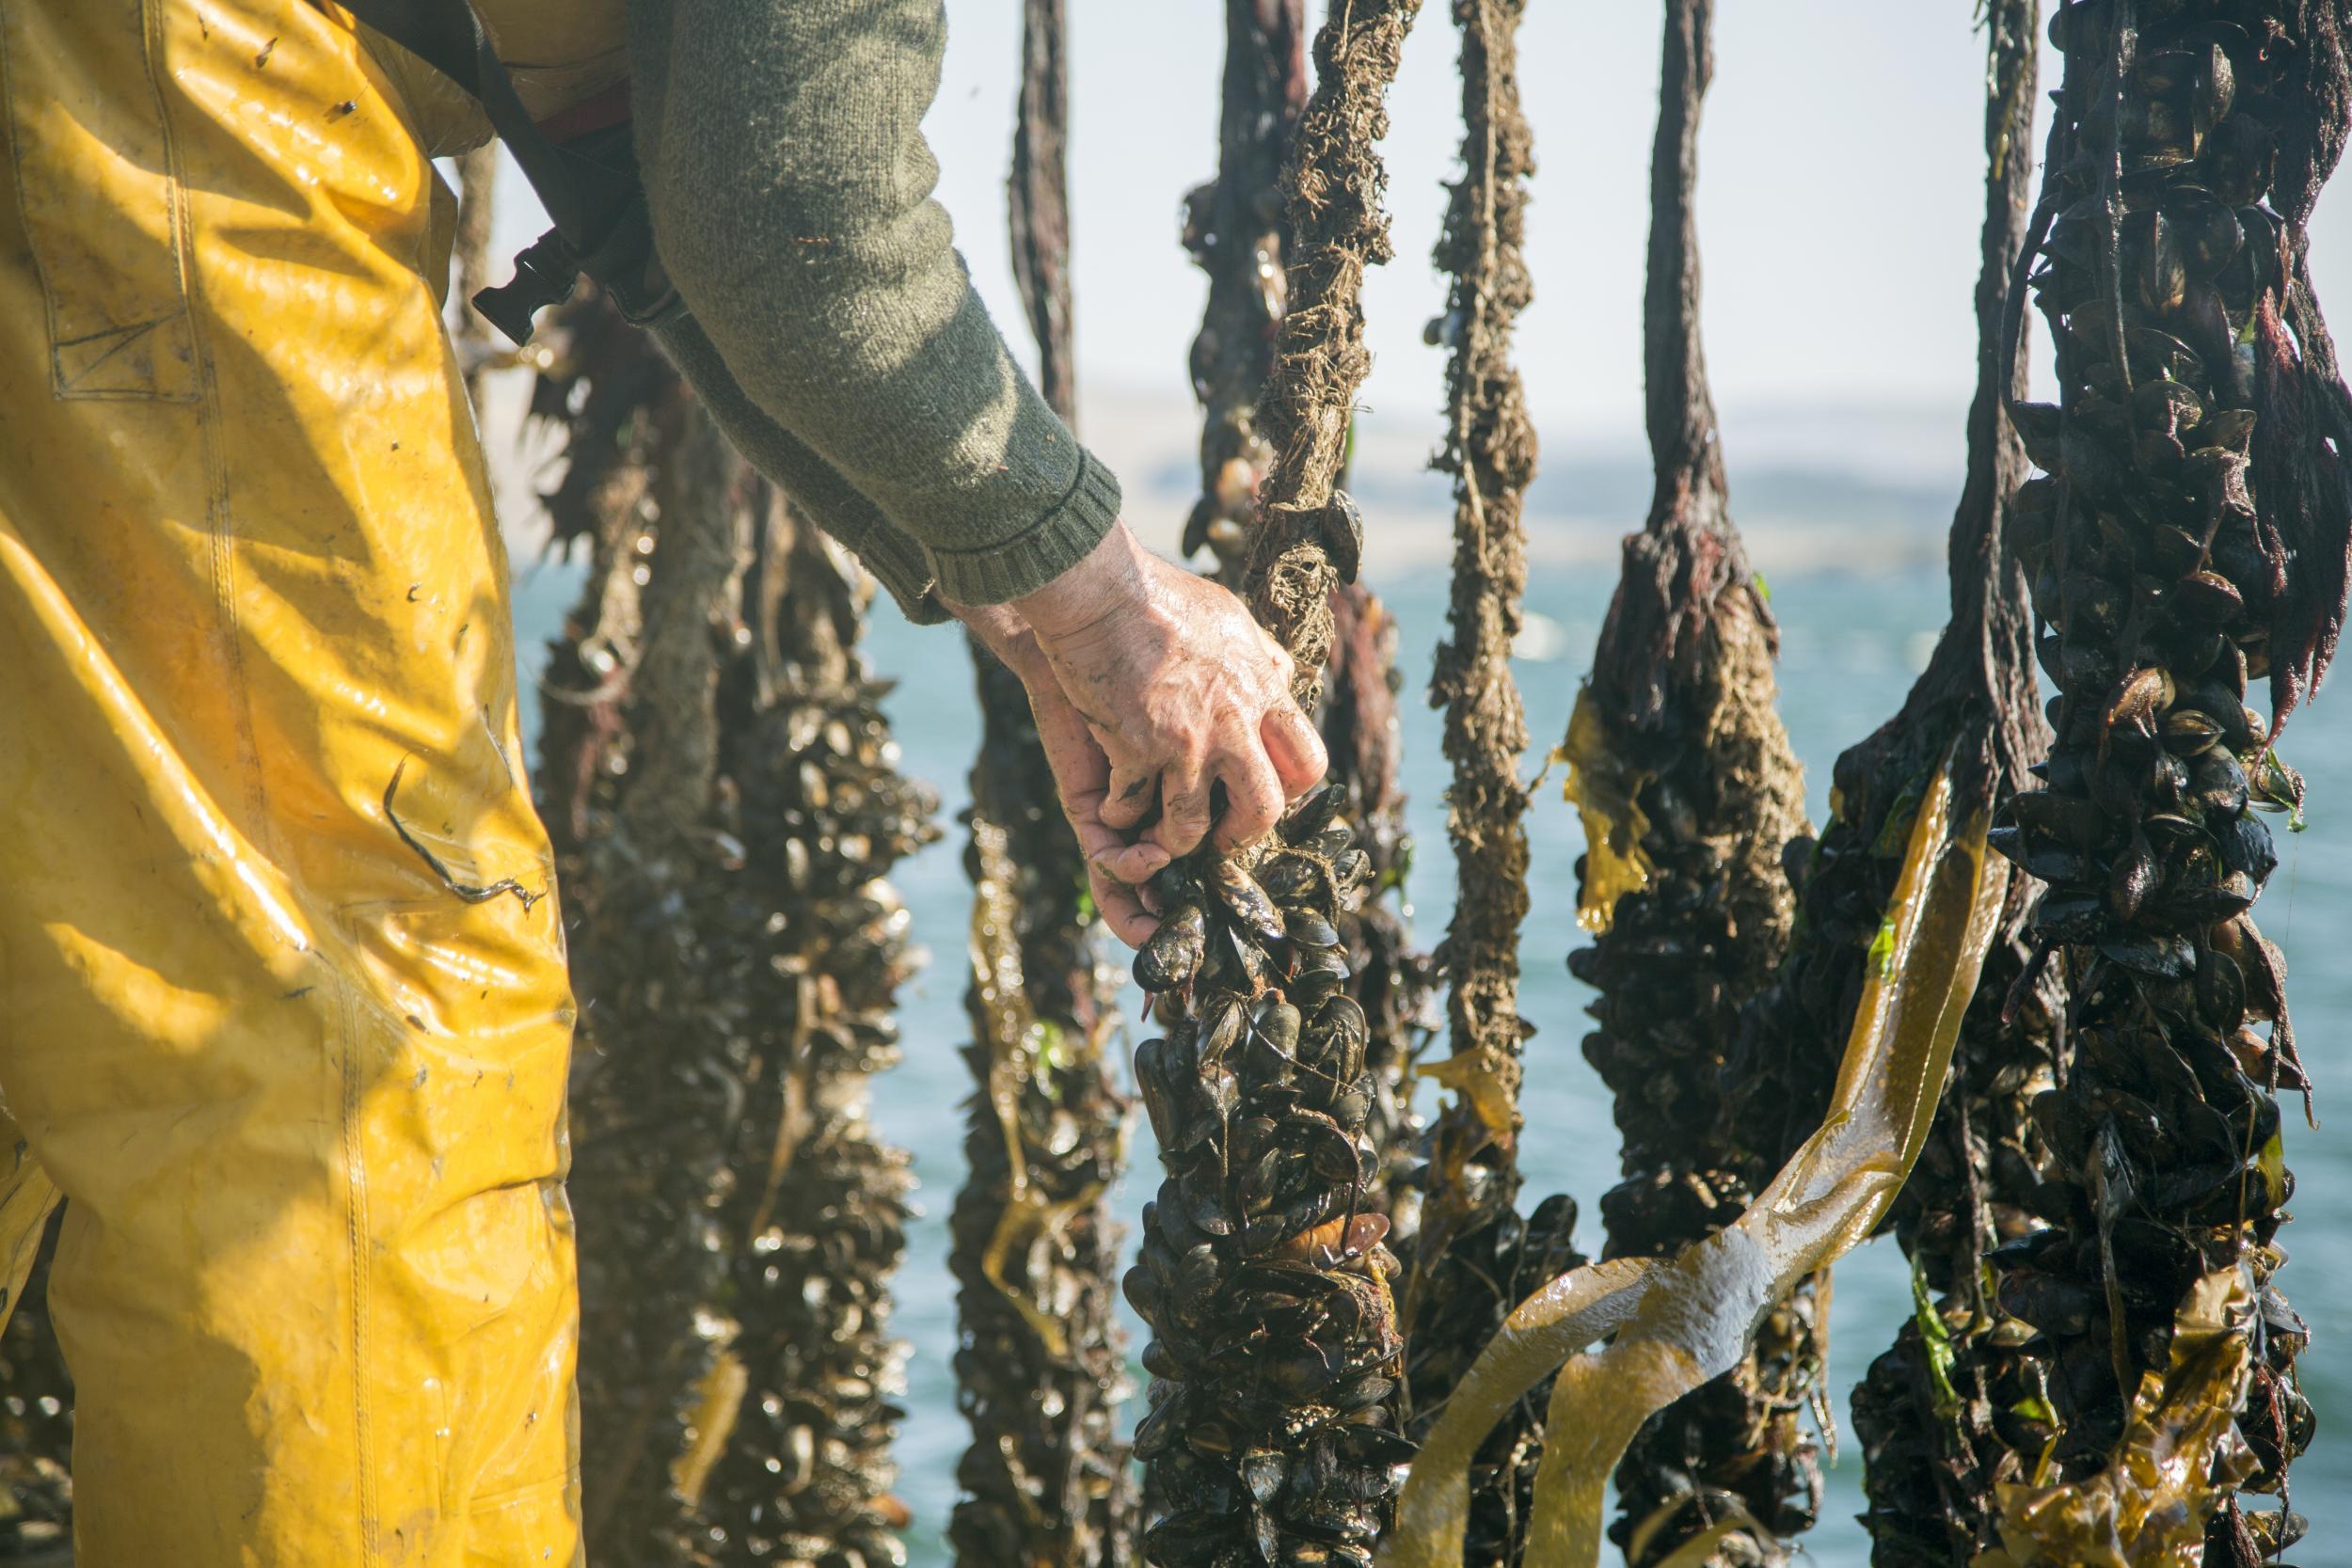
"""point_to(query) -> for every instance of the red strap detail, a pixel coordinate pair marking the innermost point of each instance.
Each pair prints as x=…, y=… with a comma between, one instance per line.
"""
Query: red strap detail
x=607, y=108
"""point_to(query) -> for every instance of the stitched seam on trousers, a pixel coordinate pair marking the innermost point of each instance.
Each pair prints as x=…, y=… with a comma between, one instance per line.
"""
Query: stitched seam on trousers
x=220, y=530
x=355, y=1182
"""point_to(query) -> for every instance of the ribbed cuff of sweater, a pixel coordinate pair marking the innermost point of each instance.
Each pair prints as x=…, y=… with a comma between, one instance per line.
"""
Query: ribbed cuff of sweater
x=1007, y=568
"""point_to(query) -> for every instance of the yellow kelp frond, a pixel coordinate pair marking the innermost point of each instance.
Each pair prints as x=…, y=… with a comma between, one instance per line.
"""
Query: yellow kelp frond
x=718, y=1400
x=1018, y=1042
x=1487, y=1083
x=1685, y=1321
x=2179, y=1457
x=1604, y=792
x=1554, y=1324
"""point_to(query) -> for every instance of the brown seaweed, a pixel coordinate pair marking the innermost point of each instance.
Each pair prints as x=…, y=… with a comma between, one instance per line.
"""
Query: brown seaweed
x=1040, y=1366
x=1474, y=1256
x=1689, y=792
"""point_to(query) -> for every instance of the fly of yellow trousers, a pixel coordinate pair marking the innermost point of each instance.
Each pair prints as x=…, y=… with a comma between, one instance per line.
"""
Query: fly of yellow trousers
x=298, y=1077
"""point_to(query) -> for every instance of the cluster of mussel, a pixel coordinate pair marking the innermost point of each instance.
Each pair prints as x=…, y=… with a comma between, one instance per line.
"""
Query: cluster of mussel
x=1264, y=1274
x=1045, y=1478
x=1664, y=999
x=1671, y=973
x=1954, y=1408
x=814, y=1212
x=2155, y=570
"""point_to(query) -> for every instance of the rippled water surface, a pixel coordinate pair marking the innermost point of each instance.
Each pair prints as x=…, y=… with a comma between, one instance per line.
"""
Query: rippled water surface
x=1851, y=645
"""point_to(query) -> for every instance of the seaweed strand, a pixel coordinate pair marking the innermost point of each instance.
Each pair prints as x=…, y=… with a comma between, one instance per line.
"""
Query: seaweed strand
x=1473, y=1257
x=1689, y=793
x=1041, y=1365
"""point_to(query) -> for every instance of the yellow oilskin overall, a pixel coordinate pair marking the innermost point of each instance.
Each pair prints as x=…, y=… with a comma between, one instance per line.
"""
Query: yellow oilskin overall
x=283, y=1010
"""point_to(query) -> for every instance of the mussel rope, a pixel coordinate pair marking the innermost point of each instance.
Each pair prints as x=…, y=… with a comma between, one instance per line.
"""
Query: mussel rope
x=2191, y=535
x=1040, y=1363
x=1263, y=1274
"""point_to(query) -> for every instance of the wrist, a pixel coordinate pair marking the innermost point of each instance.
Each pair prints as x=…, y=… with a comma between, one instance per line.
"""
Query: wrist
x=1107, y=578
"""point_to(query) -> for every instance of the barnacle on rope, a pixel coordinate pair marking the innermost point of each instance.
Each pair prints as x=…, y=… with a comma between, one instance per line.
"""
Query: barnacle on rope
x=1274, y=1346
x=1689, y=791
x=2189, y=536
x=1473, y=1255
x=1942, y=1412
x=724, y=799
x=1040, y=1367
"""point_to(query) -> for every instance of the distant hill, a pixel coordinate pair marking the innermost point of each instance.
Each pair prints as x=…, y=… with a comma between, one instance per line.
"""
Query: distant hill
x=1856, y=488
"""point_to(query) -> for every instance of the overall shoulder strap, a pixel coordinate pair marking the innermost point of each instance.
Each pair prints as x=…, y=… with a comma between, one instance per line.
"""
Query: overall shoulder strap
x=588, y=186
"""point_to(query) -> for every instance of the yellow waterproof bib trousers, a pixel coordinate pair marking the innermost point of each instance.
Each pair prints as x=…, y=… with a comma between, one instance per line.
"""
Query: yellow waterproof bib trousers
x=283, y=1012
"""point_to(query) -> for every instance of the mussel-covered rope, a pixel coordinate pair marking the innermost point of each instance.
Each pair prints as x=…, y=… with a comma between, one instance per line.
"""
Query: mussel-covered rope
x=814, y=1216
x=1233, y=231
x=1952, y=1410
x=2189, y=536
x=1264, y=1276
x=1232, y=228
x=1473, y=1257
x=1040, y=1364
x=1689, y=792
x=647, y=1097
x=723, y=798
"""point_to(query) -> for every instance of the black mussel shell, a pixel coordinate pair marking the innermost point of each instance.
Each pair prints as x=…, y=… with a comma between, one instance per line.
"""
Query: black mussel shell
x=2245, y=845
x=1310, y=815
x=1240, y=894
x=1308, y=928
x=1170, y=956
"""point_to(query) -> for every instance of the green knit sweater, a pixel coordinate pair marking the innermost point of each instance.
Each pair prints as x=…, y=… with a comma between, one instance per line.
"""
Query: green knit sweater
x=836, y=338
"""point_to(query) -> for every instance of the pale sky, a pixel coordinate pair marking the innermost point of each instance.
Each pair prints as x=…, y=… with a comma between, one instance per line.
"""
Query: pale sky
x=1840, y=181
x=1840, y=184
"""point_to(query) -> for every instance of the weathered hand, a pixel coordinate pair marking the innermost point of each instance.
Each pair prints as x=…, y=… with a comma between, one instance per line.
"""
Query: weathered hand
x=1081, y=774
x=1181, y=691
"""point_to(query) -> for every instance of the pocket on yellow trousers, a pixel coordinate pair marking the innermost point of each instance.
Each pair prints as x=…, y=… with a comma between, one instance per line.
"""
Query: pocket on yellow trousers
x=100, y=197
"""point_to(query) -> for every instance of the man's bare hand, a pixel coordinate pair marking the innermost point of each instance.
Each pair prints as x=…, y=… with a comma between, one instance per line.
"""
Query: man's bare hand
x=1181, y=690
x=1150, y=687
x=1081, y=775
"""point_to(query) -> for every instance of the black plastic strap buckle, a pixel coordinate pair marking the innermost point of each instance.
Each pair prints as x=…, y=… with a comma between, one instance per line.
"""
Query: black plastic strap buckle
x=545, y=274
